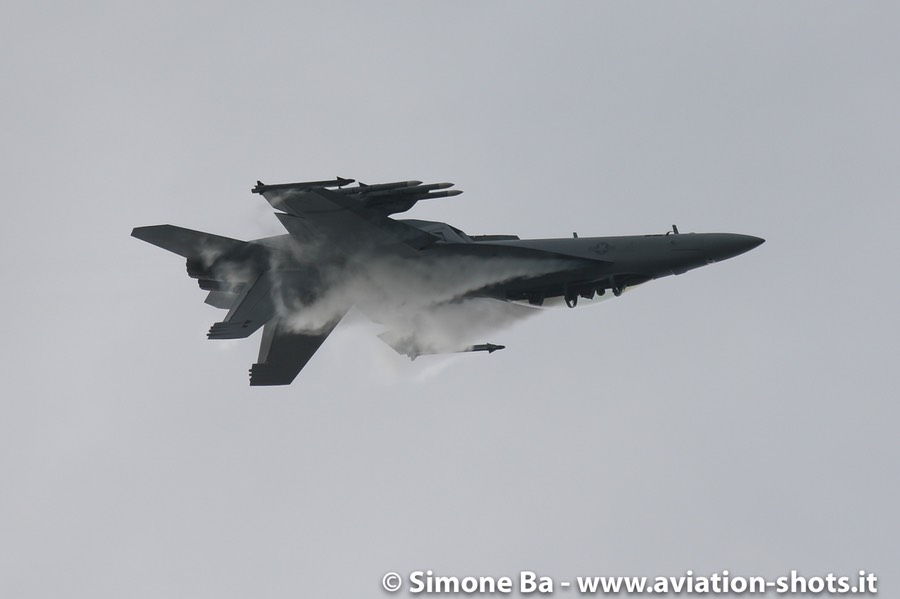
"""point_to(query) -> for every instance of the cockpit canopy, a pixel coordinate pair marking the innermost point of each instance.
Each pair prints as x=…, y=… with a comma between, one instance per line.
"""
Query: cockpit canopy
x=441, y=230
x=453, y=235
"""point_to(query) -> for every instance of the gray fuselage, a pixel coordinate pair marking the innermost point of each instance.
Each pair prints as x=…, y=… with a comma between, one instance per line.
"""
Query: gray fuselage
x=581, y=267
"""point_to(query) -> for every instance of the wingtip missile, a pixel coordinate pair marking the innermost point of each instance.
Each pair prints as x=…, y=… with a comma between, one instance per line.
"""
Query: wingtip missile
x=414, y=352
x=382, y=188
x=445, y=194
x=339, y=182
x=488, y=347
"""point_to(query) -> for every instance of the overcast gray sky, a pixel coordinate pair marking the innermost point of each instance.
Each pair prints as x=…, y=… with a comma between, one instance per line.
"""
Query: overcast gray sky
x=743, y=416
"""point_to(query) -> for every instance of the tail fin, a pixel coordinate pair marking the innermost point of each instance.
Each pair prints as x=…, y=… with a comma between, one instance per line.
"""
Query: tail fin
x=186, y=242
x=221, y=265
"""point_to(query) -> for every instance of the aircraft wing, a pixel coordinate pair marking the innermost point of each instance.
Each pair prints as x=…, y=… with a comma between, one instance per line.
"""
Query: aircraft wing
x=283, y=353
x=339, y=221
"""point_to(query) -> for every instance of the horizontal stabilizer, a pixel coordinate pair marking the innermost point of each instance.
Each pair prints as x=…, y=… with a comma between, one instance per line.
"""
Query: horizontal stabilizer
x=249, y=311
x=221, y=299
x=187, y=242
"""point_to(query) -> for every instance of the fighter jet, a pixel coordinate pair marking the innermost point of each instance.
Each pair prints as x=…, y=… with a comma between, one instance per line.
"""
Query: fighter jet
x=343, y=249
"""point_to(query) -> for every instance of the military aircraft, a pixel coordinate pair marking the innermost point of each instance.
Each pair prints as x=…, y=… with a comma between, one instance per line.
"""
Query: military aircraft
x=343, y=249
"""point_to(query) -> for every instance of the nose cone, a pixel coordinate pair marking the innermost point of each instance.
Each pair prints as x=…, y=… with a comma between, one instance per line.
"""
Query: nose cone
x=722, y=246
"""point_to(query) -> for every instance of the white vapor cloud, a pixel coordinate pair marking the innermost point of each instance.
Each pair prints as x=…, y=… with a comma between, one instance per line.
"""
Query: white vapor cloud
x=423, y=302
